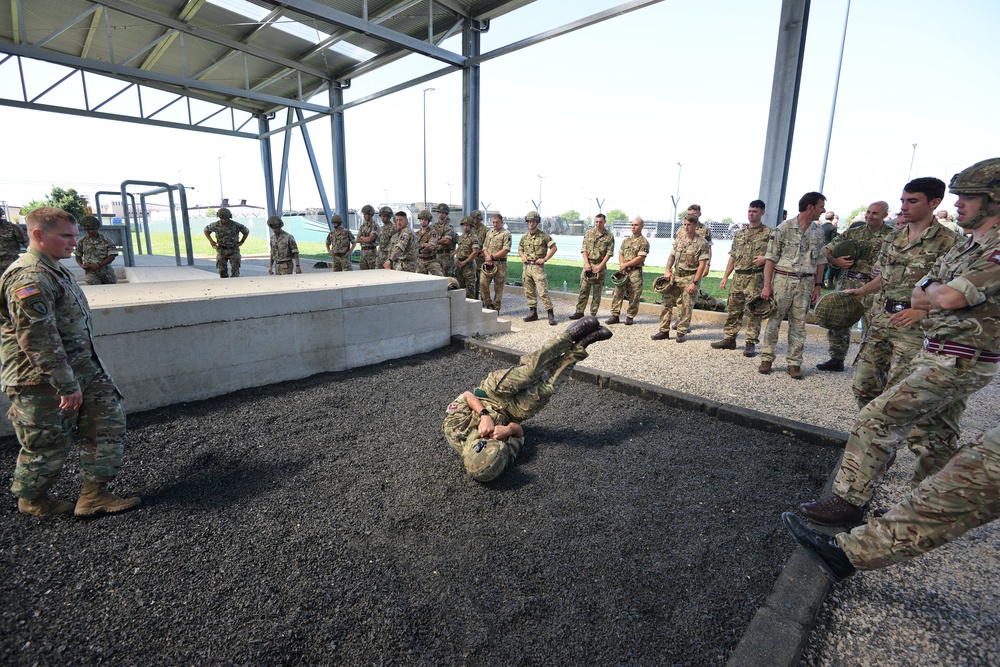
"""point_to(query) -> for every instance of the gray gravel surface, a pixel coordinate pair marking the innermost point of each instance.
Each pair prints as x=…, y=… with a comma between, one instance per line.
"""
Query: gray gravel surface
x=326, y=521
x=941, y=609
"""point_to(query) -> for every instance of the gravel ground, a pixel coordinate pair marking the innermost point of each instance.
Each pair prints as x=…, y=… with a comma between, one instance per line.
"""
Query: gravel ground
x=941, y=609
x=326, y=521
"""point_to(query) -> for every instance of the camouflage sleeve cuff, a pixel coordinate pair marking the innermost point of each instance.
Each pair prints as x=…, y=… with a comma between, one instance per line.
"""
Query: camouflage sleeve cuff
x=65, y=388
x=968, y=290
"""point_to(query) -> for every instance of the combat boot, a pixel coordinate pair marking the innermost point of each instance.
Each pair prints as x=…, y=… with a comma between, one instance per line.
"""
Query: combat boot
x=795, y=372
x=832, y=510
x=831, y=365
x=750, y=350
x=601, y=333
x=612, y=320
x=552, y=318
x=579, y=330
x=725, y=344
x=764, y=368
x=95, y=500
x=661, y=335
x=832, y=559
x=532, y=316
x=576, y=316
x=43, y=506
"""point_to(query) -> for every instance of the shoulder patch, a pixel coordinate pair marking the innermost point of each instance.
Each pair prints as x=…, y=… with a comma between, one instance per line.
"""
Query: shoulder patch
x=452, y=407
x=40, y=307
x=27, y=291
x=995, y=257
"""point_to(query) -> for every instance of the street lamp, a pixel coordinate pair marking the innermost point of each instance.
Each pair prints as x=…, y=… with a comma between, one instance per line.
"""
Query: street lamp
x=222, y=197
x=449, y=194
x=426, y=90
x=676, y=199
x=540, y=177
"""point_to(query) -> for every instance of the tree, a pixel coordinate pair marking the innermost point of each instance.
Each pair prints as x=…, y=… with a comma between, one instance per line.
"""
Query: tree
x=571, y=215
x=727, y=221
x=67, y=200
x=856, y=212
x=617, y=214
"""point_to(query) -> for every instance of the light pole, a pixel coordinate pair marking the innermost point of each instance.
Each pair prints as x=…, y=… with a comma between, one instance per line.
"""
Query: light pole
x=540, y=177
x=912, y=155
x=449, y=194
x=222, y=197
x=676, y=199
x=426, y=90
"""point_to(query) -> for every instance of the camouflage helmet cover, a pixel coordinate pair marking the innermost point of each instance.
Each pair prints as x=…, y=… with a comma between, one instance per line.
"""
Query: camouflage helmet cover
x=385, y=210
x=368, y=209
x=489, y=268
x=532, y=215
x=848, y=248
x=486, y=459
x=759, y=307
x=275, y=221
x=838, y=310
x=619, y=277
x=670, y=292
x=335, y=219
x=982, y=178
x=442, y=208
x=453, y=283
x=591, y=277
x=660, y=284
x=477, y=214
x=224, y=213
x=90, y=222
x=424, y=215
x=467, y=220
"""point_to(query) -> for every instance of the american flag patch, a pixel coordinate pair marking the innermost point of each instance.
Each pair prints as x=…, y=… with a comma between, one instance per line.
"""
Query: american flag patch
x=452, y=407
x=26, y=291
x=995, y=257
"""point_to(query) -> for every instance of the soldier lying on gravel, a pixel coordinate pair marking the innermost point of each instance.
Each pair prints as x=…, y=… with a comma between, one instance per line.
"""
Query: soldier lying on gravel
x=484, y=425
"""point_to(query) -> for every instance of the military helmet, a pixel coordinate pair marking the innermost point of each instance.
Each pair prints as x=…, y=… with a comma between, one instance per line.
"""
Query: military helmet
x=591, y=277
x=424, y=215
x=532, y=215
x=660, y=284
x=489, y=268
x=275, y=221
x=477, y=214
x=385, y=210
x=224, y=213
x=486, y=459
x=847, y=248
x=90, y=222
x=759, y=307
x=467, y=220
x=442, y=208
x=335, y=219
x=838, y=310
x=368, y=209
x=619, y=277
x=670, y=291
x=982, y=178
x=453, y=283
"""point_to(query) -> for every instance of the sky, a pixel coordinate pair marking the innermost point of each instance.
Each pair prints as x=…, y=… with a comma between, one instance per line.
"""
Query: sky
x=603, y=114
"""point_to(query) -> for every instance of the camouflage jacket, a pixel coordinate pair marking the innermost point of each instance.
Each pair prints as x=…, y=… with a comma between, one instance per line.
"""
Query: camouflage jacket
x=535, y=246
x=94, y=250
x=974, y=270
x=46, y=332
x=385, y=235
x=227, y=236
x=481, y=231
x=367, y=229
x=444, y=231
x=870, y=243
x=466, y=244
x=12, y=239
x=427, y=239
x=705, y=232
x=747, y=244
x=796, y=251
x=688, y=253
x=633, y=247
x=497, y=241
x=598, y=246
x=403, y=245
x=283, y=247
x=339, y=241
x=903, y=264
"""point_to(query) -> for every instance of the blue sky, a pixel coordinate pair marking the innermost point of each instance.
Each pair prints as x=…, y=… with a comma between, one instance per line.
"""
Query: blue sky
x=606, y=112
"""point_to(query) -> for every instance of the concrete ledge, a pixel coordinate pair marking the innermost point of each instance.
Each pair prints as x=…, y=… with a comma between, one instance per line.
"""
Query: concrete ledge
x=159, y=274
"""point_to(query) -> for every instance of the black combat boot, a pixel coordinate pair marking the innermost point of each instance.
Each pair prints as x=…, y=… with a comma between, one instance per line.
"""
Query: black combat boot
x=532, y=316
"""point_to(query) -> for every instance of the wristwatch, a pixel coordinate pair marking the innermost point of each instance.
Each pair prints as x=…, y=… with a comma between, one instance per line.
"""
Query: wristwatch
x=484, y=413
x=927, y=282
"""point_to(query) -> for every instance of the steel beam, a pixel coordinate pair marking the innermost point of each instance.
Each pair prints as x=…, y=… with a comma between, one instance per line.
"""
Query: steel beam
x=339, y=142
x=470, y=119
x=267, y=165
x=317, y=176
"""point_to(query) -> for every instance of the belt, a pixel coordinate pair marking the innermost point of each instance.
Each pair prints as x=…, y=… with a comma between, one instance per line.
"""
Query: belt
x=859, y=276
x=530, y=262
x=502, y=259
x=686, y=272
x=891, y=306
x=367, y=246
x=782, y=272
x=282, y=261
x=744, y=272
x=225, y=247
x=950, y=349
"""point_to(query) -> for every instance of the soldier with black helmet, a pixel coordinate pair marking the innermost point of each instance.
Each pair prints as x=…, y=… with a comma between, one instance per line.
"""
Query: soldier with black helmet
x=95, y=252
x=340, y=244
x=368, y=238
x=229, y=236
x=284, y=250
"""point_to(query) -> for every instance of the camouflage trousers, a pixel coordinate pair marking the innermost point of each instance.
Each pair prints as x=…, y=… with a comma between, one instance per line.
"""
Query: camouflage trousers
x=284, y=268
x=6, y=261
x=684, y=304
x=963, y=495
x=884, y=359
x=404, y=265
x=791, y=296
x=536, y=286
x=930, y=401
x=444, y=261
x=591, y=292
x=744, y=288
x=839, y=340
x=496, y=281
x=429, y=267
x=226, y=257
x=466, y=277
x=368, y=260
x=102, y=276
x=340, y=262
x=47, y=433
x=632, y=289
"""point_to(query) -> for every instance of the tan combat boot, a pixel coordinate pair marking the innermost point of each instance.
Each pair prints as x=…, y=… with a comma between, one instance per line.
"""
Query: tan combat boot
x=94, y=500
x=43, y=506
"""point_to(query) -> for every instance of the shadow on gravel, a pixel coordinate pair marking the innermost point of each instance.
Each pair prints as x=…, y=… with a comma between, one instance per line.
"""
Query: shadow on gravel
x=326, y=521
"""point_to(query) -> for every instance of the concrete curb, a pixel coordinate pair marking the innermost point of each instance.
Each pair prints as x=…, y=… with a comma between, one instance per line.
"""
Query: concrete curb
x=779, y=630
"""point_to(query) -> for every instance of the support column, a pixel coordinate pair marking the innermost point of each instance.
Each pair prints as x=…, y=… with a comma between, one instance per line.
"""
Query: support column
x=317, y=177
x=470, y=119
x=784, y=102
x=339, y=150
x=263, y=127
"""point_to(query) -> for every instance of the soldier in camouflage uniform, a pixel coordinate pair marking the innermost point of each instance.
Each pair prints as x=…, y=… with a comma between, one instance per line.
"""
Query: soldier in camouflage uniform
x=631, y=259
x=535, y=249
x=340, y=244
x=703, y=230
x=445, y=239
x=480, y=230
x=402, y=247
x=855, y=273
x=746, y=258
x=368, y=238
x=385, y=234
x=687, y=263
x=58, y=387
x=284, y=250
x=598, y=249
x=793, y=275
x=229, y=236
x=466, y=251
x=961, y=295
x=12, y=239
x=965, y=494
x=496, y=247
x=427, y=246
x=484, y=425
x=95, y=253
x=893, y=337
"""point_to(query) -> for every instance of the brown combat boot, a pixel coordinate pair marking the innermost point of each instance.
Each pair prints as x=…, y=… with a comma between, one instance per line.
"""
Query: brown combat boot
x=795, y=372
x=750, y=350
x=552, y=318
x=43, y=506
x=576, y=316
x=95, y=500
x=725, y=344
x=764, y=368
x=612, y=320
x=532, y=316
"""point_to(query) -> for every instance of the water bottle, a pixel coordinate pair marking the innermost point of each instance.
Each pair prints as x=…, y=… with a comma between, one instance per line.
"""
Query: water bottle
x=565, y=286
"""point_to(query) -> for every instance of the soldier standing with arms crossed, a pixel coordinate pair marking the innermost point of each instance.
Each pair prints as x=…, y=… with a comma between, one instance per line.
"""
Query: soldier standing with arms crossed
x=227, y=247
x=631, y=258
x=445, y=239
x=687, y=263
x=58, y=387
x=535, y=249
x=598, y=249
x=746, y=258
x=368, y=238
x=496, y=246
